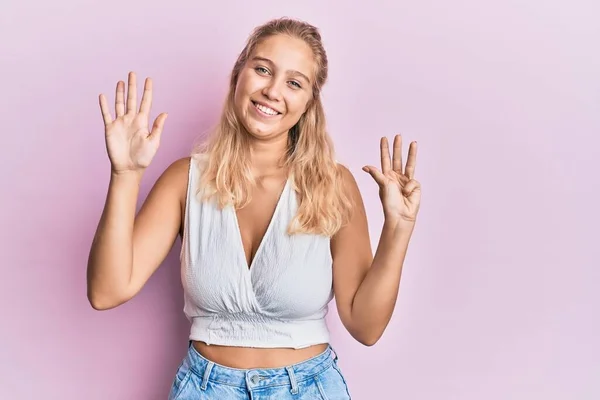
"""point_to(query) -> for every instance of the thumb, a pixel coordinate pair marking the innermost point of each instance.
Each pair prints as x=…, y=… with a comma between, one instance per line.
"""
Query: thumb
x=157, y=127
x=375, y=173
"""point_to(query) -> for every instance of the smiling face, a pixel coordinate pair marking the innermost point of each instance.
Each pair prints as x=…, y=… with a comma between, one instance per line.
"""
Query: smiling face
x=275, y=86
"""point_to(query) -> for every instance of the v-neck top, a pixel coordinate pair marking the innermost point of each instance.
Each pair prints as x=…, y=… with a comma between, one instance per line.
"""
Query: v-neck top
x=280, y=300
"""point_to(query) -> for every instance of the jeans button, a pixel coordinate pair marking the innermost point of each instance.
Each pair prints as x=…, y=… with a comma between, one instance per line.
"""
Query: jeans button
x=255, y=379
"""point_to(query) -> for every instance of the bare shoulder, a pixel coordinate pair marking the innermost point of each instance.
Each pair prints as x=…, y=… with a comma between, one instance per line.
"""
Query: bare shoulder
x=357, y=224
x=175, y=176
x=178, y=169
x=345, y=171
x=349, y=182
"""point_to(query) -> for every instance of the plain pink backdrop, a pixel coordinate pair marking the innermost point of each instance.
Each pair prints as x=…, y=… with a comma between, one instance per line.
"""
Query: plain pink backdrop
x=499, y=296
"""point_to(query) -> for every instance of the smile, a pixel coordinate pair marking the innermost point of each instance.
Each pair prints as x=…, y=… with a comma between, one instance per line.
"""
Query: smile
x=264, y=110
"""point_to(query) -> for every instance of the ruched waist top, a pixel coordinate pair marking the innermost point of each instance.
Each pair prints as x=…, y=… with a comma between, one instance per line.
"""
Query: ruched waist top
x=280, y=300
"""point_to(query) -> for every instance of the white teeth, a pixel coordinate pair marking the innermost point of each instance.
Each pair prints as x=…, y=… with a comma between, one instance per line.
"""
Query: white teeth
x=266, y=110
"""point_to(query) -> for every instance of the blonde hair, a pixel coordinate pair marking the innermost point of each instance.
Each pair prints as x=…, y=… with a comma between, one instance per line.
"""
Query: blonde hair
x=324, y=206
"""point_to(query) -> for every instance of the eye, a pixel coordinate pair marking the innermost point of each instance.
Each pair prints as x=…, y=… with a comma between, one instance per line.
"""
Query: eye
x=296, y=84
x=261, y=70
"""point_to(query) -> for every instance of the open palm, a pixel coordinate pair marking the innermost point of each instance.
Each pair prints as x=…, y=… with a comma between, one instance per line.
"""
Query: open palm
x=399, y=192
x=130, y=144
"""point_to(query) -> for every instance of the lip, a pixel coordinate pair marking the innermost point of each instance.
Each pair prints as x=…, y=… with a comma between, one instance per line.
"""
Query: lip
x=254, y=102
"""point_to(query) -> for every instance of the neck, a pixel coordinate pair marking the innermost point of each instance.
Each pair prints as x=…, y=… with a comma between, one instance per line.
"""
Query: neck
x=267, y=156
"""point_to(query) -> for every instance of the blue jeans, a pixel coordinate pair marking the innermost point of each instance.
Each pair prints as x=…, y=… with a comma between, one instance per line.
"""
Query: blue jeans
x=318, y=378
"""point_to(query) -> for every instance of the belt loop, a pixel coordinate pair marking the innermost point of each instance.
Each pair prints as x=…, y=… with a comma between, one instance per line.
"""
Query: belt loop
x=290, y=371
x=206, y=374
x=335, y=358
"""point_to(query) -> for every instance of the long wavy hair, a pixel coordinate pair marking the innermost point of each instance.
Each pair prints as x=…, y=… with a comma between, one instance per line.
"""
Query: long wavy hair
x=324, y=206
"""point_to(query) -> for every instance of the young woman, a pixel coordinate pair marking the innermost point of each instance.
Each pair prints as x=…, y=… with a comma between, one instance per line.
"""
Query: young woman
x=272, y=228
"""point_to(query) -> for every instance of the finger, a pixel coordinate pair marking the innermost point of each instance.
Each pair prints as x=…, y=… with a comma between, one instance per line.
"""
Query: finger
x=397, y=155
x=414, y=197
x=146, y=97
x=376, y=174
x=157, y=127
x=385, y=155
x=131, y=94
x=104, y=110
x=410, y=187
x=120, y=99
x=412, y=161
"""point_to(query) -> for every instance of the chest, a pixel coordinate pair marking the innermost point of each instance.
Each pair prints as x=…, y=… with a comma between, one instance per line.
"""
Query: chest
x=254, y=219
x=245, y=261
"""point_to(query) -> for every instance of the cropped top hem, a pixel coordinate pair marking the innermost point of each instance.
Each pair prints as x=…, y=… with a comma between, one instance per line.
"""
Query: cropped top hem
x=280, y=334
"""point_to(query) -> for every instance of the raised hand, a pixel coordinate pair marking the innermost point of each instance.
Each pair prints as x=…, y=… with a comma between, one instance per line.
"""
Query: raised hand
x=399, y=192
x=129, y=143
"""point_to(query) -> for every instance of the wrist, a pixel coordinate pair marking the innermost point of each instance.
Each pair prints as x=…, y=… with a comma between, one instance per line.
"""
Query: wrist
x=399, y=225
x=125, y=175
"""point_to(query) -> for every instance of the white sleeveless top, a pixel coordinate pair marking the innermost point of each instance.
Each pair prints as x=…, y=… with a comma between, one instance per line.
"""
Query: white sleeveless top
x=280, y=301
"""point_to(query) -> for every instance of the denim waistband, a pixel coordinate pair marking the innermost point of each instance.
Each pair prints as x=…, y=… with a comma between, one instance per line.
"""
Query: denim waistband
x=259, y=377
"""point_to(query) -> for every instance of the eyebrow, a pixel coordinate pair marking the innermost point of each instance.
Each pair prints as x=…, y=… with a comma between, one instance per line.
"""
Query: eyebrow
x=293, y=72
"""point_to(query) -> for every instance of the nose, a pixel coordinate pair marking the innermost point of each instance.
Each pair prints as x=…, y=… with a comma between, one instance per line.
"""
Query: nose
x=272, y=90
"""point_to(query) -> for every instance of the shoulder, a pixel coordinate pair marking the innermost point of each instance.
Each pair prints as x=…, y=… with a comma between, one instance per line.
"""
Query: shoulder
x=175, y=177
x=345, y=173
x=178, y=170
x=348, y=180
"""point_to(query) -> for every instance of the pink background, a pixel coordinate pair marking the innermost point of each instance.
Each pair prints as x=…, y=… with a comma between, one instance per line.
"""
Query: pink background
x=499, y=297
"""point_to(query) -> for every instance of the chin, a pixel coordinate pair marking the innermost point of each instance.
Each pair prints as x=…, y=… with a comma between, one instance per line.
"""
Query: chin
x=262, y=132
x=260, y=129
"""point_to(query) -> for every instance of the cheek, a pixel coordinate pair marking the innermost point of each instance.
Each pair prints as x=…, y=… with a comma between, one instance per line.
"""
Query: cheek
x=249, y=82
x=239, y=95
x=298, y=106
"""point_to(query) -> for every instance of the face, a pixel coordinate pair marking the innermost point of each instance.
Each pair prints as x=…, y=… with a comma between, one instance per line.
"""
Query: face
x=275, y=86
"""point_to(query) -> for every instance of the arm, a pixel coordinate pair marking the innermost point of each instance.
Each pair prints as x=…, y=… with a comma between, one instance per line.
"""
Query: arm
x=366, y=287
x=127, y=249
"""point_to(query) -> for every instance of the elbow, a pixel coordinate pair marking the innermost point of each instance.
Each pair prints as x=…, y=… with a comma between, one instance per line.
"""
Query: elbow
x=102, y=303
x=364, y=333
x=368, y=341
x=99, y=304
x=105, y=296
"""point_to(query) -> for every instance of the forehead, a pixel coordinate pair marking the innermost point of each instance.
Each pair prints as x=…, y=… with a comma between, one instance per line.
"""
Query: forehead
x=287, y=53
